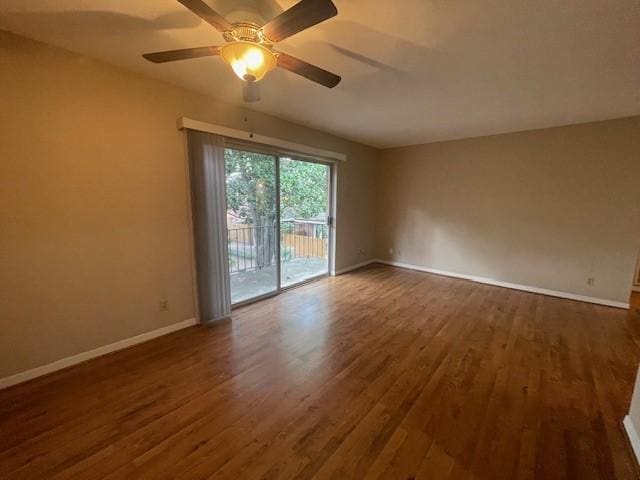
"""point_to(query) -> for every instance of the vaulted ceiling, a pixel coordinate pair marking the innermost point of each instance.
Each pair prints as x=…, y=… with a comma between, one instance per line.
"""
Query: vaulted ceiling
x=414, y=71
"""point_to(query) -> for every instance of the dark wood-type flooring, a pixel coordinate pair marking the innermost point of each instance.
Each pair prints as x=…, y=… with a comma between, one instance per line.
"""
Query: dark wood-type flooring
x=379, y=373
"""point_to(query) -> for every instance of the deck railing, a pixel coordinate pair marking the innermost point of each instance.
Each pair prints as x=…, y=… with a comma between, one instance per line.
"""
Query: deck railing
x=254, y=247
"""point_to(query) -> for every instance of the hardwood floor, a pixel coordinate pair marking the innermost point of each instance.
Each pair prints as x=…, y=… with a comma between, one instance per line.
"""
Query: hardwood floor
x=380, y=373
x=634, y=301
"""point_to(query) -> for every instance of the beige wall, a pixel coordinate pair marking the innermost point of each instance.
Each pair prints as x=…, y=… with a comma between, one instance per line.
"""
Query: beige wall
x=93, y=201
x=546, y=208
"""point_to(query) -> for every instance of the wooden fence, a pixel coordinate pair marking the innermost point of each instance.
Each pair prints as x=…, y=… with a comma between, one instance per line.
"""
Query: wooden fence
x=304, y=246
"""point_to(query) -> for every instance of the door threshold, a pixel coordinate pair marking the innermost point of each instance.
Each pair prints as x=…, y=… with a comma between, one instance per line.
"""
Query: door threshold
x=265, y=296
x=305, y=282
x=251, y=300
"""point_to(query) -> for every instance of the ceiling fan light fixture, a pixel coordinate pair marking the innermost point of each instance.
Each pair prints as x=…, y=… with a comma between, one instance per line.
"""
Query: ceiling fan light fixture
x=249, y=61
x=249, y=46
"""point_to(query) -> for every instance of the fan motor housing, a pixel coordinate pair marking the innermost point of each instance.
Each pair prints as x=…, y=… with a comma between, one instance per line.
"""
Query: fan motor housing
x=247, y=32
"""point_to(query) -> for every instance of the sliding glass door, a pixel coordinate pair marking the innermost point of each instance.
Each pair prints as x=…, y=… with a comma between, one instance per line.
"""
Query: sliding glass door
x=252, y=227
x=304, y=211
x=277, y=229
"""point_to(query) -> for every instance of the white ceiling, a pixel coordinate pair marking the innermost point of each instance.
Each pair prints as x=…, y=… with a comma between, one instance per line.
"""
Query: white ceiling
x=414, y=71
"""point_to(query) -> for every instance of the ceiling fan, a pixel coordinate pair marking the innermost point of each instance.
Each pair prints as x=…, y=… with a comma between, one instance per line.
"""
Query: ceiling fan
x=249, y=46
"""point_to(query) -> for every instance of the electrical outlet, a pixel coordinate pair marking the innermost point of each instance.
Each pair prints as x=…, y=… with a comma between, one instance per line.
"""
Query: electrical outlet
x=164, y=305
x=591, y=281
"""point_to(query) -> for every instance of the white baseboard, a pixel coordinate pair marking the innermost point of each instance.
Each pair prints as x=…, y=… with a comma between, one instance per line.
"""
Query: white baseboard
x=353, y=267
x=514, y=286
x=96, y=352
x=633, y=437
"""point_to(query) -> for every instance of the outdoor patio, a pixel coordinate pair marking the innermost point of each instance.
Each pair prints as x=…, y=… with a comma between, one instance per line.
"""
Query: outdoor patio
x=253, y=283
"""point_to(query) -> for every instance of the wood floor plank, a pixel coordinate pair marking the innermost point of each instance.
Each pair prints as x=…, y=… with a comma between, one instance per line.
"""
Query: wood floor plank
x=382, y=373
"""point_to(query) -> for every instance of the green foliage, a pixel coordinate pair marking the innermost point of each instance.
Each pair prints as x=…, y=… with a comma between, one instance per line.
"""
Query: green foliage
x=303, y=189
x=251, y=187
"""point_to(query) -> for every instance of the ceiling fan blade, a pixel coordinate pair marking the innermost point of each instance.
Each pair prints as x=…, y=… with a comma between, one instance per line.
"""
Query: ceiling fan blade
x=301, y=16
x=311, y=72
x=208, y=14
x=182, y=54
x=251, y=92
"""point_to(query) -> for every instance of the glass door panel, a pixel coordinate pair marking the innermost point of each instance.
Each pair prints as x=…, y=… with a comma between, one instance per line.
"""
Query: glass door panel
x=304, y=210
x=252, y=228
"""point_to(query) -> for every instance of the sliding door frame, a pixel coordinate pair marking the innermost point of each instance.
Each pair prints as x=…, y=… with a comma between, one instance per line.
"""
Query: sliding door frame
x=330, y=216
x=331, y=199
